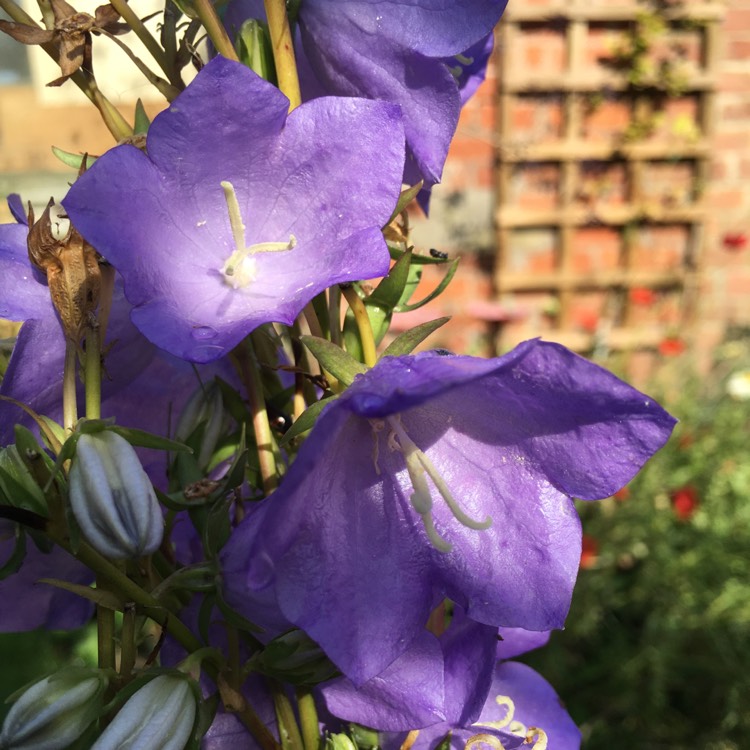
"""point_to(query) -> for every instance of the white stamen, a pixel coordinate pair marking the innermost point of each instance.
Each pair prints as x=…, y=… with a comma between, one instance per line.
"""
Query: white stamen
x=240, y=268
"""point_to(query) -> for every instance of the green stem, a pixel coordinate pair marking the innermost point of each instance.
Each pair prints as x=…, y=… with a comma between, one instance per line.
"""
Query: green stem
x=334, y=313
x=105, y=631
x=308, y=719
x=70, y=405
x=115, y=122
x=127, y=640
x=215, y=29
x=140, y=30
x=364, y=327
x=264, y=440
x=283, y=51
x=93, y=372
x=289, y=733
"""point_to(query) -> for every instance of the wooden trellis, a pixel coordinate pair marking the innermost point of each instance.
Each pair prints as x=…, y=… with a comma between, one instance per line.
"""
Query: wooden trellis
x=563, y=181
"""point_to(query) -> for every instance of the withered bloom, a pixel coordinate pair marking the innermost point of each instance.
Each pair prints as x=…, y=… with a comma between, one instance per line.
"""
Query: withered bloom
x=71, y=265
x=71, y=35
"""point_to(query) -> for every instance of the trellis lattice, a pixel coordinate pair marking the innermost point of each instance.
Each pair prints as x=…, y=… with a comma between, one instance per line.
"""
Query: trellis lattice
x=600, y=178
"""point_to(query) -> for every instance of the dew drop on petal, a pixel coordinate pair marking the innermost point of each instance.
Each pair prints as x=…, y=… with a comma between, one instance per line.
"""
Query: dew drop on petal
x=204, y=333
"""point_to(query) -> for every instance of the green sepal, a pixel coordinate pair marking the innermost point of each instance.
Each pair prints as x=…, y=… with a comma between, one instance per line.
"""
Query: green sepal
x=72, y=160
x=334, y=359
x=142, y=121
x=409, y=340
x=416, y=260
x=364, y=737
x=200, y=577
x=438, y=290
x=294, y=657
x=405, y=198
x=306, y=420
x=235, y=619
x=217, y=527
x=15, y=561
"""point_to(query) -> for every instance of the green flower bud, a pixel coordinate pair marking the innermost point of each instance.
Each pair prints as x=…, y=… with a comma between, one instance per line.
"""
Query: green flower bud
x=54, y=712
x=112, y=497
x=339, y=742
x=205, y=407
x=159, y=716
x=294, y=657
x=253, y=46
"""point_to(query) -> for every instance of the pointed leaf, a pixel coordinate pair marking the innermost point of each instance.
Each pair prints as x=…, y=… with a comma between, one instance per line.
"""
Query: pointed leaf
x=14, y=562
x=143, y=439
x=306, y=420
x=406, y=197
x=409, y=340
x=73, y=160
x=334, y=359
x=48, y=434
x=439, y=289
x=101, y=598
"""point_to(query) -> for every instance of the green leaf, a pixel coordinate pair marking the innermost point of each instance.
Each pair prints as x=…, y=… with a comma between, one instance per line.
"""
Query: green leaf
x=439, y=289
x=72, y=160
x=306, y=420
x=48, y=434
x=234, y=618
x=143, y=439
x=334, y=359
x=416, y=260
x=100, y=597
x=409, y=340
x=17, y=485
x=142, y=121
x=406, y=197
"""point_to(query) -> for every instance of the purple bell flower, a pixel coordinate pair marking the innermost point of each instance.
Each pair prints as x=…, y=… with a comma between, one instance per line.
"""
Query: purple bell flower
x=243, y=213
x=427, y=56
x=432, y=477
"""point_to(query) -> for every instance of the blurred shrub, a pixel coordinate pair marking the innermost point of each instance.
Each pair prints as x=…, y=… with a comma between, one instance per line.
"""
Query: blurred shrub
x=656, y=653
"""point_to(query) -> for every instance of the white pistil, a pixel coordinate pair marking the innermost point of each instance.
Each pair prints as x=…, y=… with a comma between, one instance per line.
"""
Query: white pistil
x=239, y=270
x=420, y=467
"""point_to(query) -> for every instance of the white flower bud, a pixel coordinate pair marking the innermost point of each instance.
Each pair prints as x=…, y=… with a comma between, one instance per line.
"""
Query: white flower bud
x=159, y=716
x=204, y=406
x=55, y=711
x=112, y=497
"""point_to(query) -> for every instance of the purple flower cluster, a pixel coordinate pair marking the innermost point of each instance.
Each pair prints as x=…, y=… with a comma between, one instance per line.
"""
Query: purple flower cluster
x=425, y=532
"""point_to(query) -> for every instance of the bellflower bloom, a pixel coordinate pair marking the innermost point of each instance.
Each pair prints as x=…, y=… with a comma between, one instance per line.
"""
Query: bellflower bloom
x=427, y=56
x=243, y=213
x=435, y=476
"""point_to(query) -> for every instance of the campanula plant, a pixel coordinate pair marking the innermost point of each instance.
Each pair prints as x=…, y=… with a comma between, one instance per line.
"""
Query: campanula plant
x=337, y=542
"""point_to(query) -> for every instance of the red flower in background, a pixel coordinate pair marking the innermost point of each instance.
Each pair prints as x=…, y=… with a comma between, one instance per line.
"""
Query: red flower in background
x=671, y=346
x=685, y=502
x=640, y=295
x=735, y=241
x=589, y=552
x=622, y=494
x=587, y=320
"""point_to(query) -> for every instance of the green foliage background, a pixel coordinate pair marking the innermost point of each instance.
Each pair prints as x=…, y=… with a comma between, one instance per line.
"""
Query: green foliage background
x=656, y=653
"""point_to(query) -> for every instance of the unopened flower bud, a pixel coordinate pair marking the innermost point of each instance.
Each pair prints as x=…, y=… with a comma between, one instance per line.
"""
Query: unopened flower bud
x=253, y=46
x=339, y=742
x=55, y=711
x=159, y=716
x=205, y=407
x=112, y=497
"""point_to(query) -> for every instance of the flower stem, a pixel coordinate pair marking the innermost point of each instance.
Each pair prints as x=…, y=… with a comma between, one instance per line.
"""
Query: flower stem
x=70, y=406
x=105, y=634
x=308, y=719
x=127, y=640
x=93, y=372
x=147, y=38
x=362, y=319
x=283, y=51
x=289, y=733
x=215, y=29
x=250, y=373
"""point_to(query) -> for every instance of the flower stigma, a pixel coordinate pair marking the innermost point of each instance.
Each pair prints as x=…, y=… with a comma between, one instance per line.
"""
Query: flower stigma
x=239, y=270
x=530, y=734
x=419, y=466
